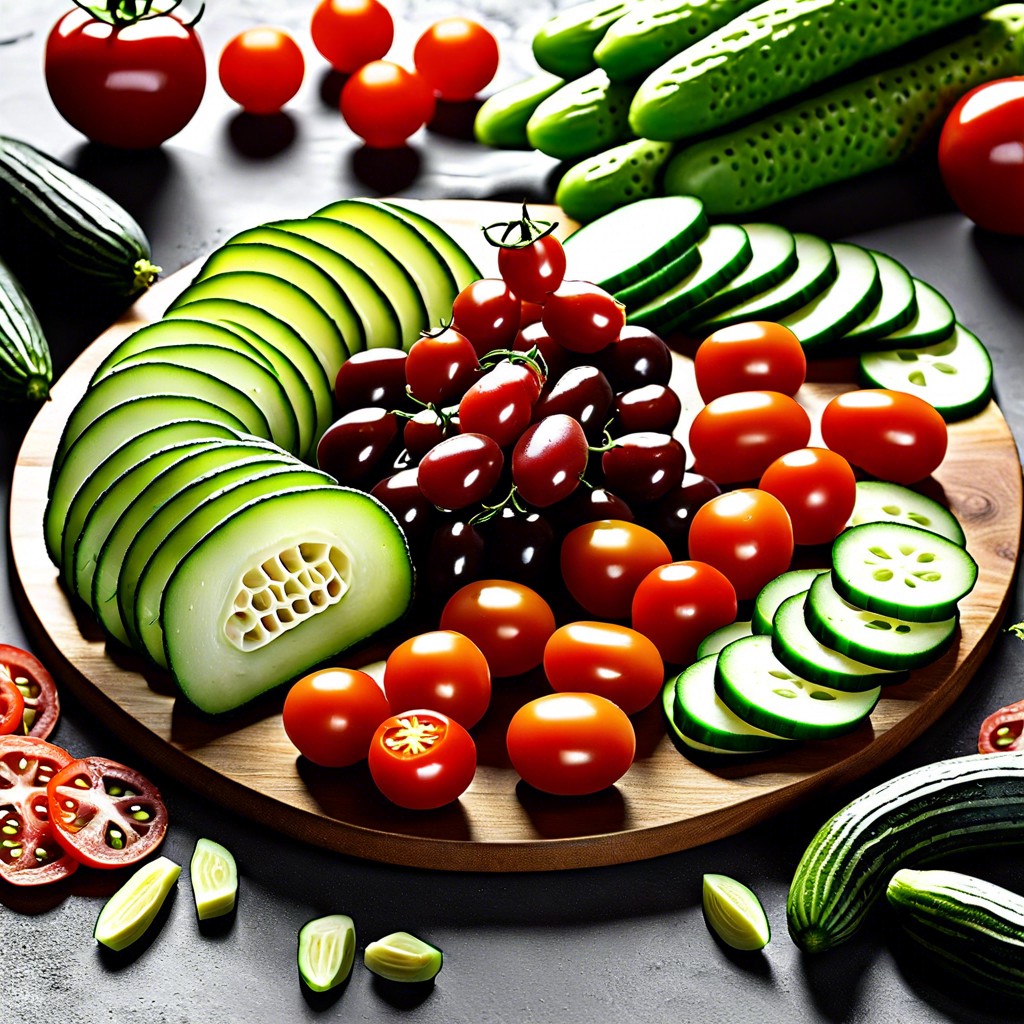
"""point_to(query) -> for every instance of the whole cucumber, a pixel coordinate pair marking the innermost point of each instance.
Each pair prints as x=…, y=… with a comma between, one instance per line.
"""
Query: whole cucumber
x=25, y=368
x=502, y=118
x=565, y=44
x=851, y=130
x=775, y=50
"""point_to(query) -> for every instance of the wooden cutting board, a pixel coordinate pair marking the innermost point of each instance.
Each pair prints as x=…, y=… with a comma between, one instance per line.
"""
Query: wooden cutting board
x=663, y=804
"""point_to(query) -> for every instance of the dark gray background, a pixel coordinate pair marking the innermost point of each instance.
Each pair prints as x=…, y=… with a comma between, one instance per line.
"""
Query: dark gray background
x=622, y=943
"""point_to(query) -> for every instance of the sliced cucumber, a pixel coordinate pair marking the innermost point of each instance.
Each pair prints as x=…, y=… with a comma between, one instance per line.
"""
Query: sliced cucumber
x=896, y=308
x=934, y=321
x=683, y=743
x=717, y=639
x=327, y=950
x=758, y=688
x=878, y=501
x=879, y=640
x=954, y=376
x=214, y=876
x=661, y=280
x=228, y=636
x=803, y=654
x=734, y=913
x=901, y=571
x=127, y=915
x=773, y=593
x=403, y=957
x=459, y=262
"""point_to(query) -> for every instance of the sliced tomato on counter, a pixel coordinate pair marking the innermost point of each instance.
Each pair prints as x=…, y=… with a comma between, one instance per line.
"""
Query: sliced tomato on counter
x=12, y=706
x=37, y=688
x=1003, y=730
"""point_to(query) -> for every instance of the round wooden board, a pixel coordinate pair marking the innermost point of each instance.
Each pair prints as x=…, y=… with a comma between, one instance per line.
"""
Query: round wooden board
x=663, y=804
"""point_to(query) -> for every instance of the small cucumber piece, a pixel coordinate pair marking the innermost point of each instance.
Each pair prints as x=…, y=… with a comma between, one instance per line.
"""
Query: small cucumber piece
x=734, y=913
x=686, y=746
x=661, y=280
x=717, y=639
x=565, y=43
x=403, y=957
x=878, y=501
x=897, y=306
x=327, y=950
x=214, y=877
x=127, y=915
x=773, y=593
x=934, y=321
x=502, y=118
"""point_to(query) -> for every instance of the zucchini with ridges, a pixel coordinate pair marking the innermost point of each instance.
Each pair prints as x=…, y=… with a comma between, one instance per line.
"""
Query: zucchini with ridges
x=25, y=367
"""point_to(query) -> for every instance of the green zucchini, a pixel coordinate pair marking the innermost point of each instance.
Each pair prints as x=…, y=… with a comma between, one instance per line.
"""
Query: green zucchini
x=565, y=43
x=928, y=812
x=25, y=367
x=502, y=118
x=973, y=927
x=870, y=123
x=82, y=224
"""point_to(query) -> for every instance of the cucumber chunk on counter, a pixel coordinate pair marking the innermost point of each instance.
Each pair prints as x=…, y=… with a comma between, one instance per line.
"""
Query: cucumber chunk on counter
x=214, y=876
x=127, y=915
x=327, y=950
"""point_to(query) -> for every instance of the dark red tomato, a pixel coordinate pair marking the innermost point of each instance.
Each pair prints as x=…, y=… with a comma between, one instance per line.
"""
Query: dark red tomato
x=736, y=437
x=549, y=460
x=650, y=407
x=519, y=547
x=582, y=392
x=535, y=270
x=457, y=56
x=440, y=368
x=639, y=357
x=753, y=356
x=426, y=429
x=461, y=470
x=443, y=671
x=455, y=557
x=400, y=493
x=261, y=69
x=644, y=466
x=351, y=33
x=671, y=515
x=678, y=604
x=612, y=661
x=422, y=759
x=30, y=853
x=889, y=434
x=981, y=155
x=384, y=104
x=603, y=563
x=355, y=445
x=509, y=622
x=487, y=313
x=1002, y=730
x=582, y=317
x=130, y=86
x=500, y=404
x=747, y=535
x=105, y=814
x=571, y=744
x=529, y=313
x=331, y=715
x=12, y=706
x=375, y=376
x=587, y=505
x=535, y=336
x=37, y=688
x=818, y=489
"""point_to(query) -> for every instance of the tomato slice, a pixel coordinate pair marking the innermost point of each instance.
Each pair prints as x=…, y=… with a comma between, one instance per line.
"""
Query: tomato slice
x=105, y=814
x=38, y=690
x=12, y=706
x=29, y=851
x=1003, y=730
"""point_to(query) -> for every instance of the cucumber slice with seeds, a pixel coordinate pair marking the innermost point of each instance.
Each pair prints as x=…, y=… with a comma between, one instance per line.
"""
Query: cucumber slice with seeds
x=773, y=593
x=327, y=950
x=717, y=639
x=934, y=321
x=878, y=501
x=214, y=877
x=897, y=306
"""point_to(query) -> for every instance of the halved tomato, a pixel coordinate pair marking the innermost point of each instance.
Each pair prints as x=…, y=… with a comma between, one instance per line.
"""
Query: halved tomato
x=42, y=708
x=1003, y=730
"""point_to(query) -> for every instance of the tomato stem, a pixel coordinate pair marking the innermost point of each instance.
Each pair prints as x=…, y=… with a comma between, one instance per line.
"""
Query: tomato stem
x=530, y=231
x=121, y=13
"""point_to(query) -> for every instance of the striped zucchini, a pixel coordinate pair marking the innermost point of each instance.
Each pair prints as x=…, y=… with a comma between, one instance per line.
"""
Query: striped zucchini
x=975, y=928
x=85, y=227
x=25, y=370
x=934, y=810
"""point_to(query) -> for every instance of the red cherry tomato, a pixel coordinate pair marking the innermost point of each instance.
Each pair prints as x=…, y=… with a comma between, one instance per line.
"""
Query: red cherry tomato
x=105, y=814
x=37, y=688
x=331, y=715
x=535, y=270
x=487, y=313
x=460, y=470
x=509, y=622
x=753, y=356
x=747, y=535
x=583, y=317
x=889, y=434
x=818, y=489
x=351, y=33
x=644, y=466
x=384, y=104
x=12, y=706
x=457, y=56
x=1002, y=730
x=422, y=759
x=600, y=657
x=130, y=86
x=678, y=604
x=440, y=367
x=443, y=671
x=261, y=69
x=500, y=404
x=981, y=155
x=549, y=460
x=734, y=438
x=603, y=562
x=571, y=744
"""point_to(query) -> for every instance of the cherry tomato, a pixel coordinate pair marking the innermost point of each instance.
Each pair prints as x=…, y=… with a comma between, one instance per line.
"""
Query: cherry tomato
x=678, y=604
x=582, y=392
x=752, y=356
x=549, y=460
x=422, y=759
x=603, y=562
x=571, y=744
x=441, y=367
x=981, y=155
x=12, y=706
x=500, y=404
x=426, y=429
x=644, y=466
x=455, y=557
x=889, y=434
x=734, y=438
x=461, y=470
x=747, y=535
x=587, y=505
x=487, y=313
x=30, y=853
x=354, y=446
x=331, y=715
x=443, y=671
x=375, y=376
x=637, y=358
x=519, y=547
x=37, y=688
x=458, y=57
x=261, y=69
x=653, y=407
x=535, y=270
x=818, y=489
x=509, y=622
x=612, y=661
x=529, y=313
x=670, y=516
x=351, y=33
x=1002, y=730
x=402, y=496
x=582, y=317
x=105, y=814
x=535, y=335
x=127, y=85
x=384, y=104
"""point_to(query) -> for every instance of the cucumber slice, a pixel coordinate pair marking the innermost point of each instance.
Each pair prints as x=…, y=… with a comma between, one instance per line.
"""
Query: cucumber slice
x=758, y=688
x=896, y=308
x=214, y=876
x=954, y=376
x=934, y=321
x=127, y=915
x=700, y=715
x=661, y=280
x=463, y=269
x=403, y=957
x=803, y=654
x=878, y=501
x=901, y=571
x=879, y=640
x=228, y=636
x=734, y=913
x=327, y=950
x=634, y=241
x=773, y=593
x=717, y=639
x=684, y=744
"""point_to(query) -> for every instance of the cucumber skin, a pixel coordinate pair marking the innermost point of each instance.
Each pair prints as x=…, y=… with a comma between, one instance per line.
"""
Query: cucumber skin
x=26, y=371
x=775, y=50
x=502, y=118
x=857, y=128
x=928, y=812
x=565, y=44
